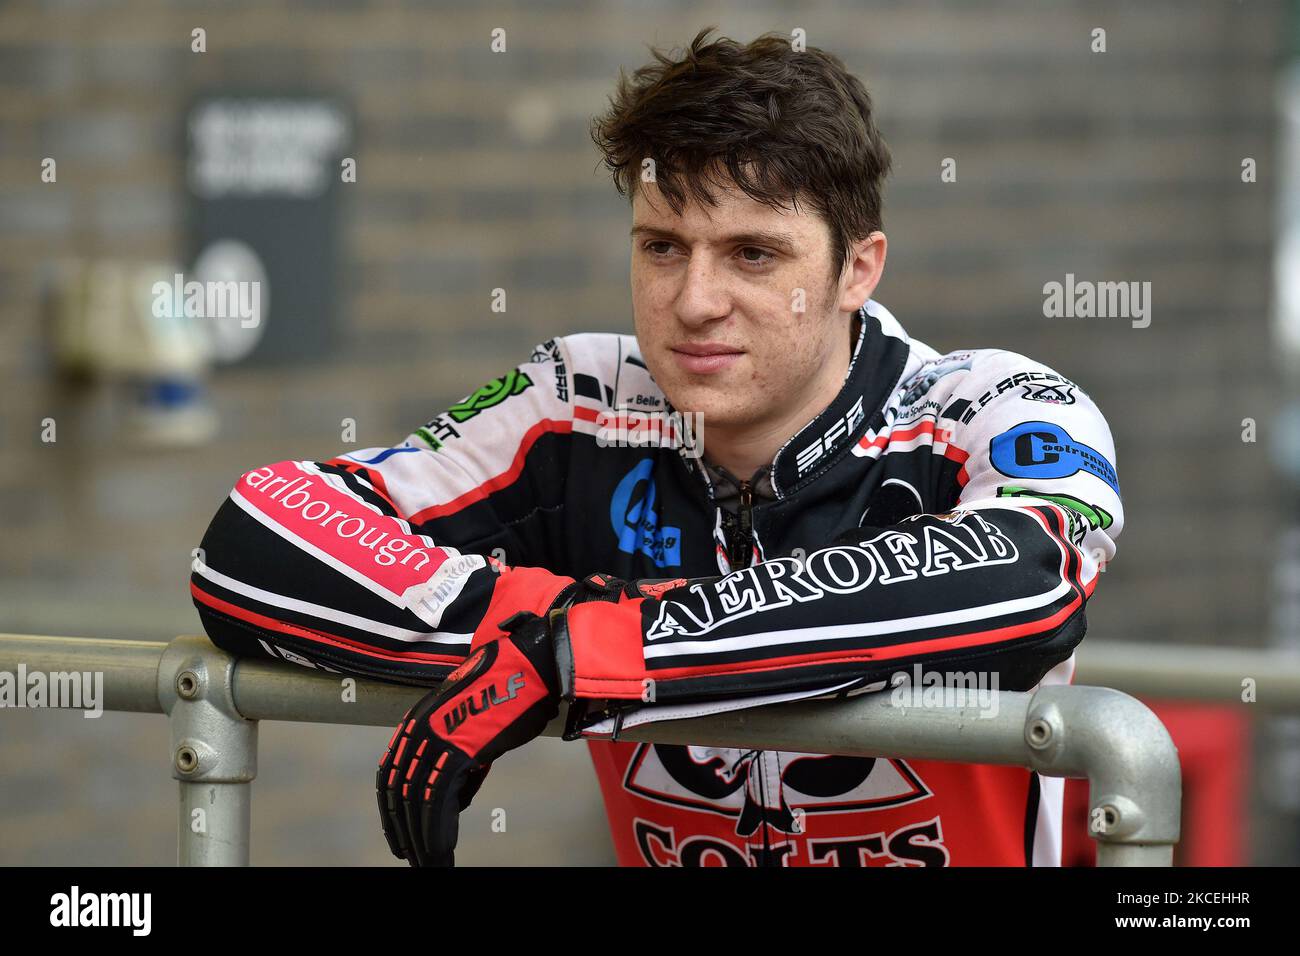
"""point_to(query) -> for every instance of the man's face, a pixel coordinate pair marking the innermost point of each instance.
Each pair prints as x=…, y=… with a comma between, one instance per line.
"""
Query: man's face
x=735, y=309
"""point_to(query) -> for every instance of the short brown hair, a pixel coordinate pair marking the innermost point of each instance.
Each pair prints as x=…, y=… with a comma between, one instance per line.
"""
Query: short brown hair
x=785, y=125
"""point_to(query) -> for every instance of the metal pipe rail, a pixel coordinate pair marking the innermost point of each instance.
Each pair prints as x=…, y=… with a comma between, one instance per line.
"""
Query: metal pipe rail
x=1193, y=672
x=214, y=702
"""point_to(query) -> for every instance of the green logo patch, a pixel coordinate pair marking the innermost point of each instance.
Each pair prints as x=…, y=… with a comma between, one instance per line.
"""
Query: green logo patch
x=493, y=393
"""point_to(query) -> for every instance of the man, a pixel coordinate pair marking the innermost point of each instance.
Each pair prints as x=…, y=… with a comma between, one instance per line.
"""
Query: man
x=862, y=504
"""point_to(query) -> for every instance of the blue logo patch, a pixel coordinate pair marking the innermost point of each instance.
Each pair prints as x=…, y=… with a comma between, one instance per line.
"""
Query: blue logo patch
x=637, y=524
x=1044, y=450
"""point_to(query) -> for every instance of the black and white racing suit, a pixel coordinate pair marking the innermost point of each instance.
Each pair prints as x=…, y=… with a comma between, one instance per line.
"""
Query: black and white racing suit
x=952, y=511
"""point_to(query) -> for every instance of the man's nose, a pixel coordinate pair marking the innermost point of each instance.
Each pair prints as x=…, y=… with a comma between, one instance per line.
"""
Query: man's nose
x=703, y=295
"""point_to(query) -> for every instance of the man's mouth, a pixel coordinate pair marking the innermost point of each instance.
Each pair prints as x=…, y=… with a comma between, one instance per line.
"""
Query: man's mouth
x=705, y=357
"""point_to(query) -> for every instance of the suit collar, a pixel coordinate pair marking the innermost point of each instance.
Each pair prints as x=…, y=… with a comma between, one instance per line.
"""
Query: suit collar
x=877, y=364
x=875, y=368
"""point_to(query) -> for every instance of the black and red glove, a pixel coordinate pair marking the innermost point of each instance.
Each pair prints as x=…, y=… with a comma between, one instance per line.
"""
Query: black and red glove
x=502, y=696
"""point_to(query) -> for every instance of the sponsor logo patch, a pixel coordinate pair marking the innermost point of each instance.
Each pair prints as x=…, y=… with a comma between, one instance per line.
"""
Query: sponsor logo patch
x=1051, y=394
x=1046, y=450
x=550, y=351
x=490, y=395
x=826, y=443
x=636, y=522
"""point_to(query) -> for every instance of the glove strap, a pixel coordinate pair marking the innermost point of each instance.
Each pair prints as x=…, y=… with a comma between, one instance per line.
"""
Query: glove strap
x=575, y=719
x=580, y=716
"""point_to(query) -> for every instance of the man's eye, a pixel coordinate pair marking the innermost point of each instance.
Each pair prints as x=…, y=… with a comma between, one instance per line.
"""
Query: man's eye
x=762, y=259
x=664, y=243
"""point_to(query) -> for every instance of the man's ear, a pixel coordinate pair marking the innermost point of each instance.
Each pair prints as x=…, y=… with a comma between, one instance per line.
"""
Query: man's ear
x=862, y=272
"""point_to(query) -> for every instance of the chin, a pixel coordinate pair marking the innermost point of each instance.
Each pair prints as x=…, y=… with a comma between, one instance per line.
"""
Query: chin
x=720, y=407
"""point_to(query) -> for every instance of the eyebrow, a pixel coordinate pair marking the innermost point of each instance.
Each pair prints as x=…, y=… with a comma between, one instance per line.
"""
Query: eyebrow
x=780, y=240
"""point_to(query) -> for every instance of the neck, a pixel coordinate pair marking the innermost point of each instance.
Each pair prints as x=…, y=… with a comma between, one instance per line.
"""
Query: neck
x=743, y=451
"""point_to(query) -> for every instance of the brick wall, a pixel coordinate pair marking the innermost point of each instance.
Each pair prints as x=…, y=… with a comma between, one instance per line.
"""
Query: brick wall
x=475, y=171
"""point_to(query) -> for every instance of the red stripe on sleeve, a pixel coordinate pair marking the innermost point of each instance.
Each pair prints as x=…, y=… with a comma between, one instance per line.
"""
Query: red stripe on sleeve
x=953, y=453
x=315, y=636
x=507, y=477
x=891, y=652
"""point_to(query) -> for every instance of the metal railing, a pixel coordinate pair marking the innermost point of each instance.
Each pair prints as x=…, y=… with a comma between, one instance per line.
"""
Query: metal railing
x=214, y=702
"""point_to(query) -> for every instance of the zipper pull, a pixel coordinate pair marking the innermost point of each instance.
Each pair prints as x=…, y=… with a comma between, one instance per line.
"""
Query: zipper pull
x=745, y=538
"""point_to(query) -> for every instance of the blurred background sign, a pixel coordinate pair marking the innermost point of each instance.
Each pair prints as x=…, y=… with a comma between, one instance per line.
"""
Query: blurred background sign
x=262, y=187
